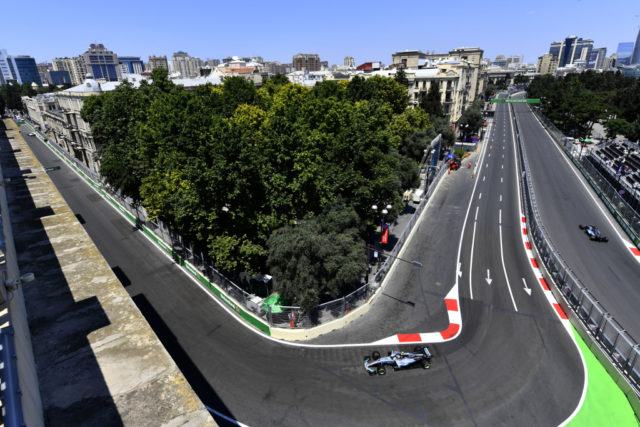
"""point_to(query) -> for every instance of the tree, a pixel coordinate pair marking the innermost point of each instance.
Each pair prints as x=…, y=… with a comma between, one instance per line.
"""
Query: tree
x=520, y=78
x=471, y=119
x=11, y=93
x=430, y=103
x=389, y=91
x=113, y=117
x=236, y=90
x=441, y=126
x=226, y=166
x=401, y=77
x=617, y=127
x=322, y=257
x=278, y=80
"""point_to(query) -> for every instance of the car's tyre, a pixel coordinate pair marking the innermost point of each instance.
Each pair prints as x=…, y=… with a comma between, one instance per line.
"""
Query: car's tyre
x=375, y=355
x=581, y=227
x=426, y=365
x=371, y=373
x=381, y=370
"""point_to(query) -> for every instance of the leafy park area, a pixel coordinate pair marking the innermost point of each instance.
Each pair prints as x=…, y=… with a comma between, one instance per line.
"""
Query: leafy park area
x=577, y=101
x=278, y=179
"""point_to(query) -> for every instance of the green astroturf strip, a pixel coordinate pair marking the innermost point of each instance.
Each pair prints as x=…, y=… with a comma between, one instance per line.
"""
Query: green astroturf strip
x=605, y=404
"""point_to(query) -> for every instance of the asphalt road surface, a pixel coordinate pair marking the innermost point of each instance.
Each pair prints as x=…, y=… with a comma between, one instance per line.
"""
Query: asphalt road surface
x=609, y=270
x=512, y=364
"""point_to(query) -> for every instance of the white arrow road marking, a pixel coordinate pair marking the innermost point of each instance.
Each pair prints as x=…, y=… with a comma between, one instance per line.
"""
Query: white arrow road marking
x=473, y=242
x=526, y=288
x=488, y=279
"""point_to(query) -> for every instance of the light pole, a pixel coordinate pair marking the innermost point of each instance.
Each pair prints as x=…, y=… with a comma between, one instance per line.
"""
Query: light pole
x=383, y=226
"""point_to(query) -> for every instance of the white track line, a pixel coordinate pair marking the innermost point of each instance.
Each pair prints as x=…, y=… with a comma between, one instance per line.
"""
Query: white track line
x=473, y=242
x=504, y=269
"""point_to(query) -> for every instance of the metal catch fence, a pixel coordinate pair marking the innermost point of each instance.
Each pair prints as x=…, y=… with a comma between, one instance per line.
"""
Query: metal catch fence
x=612, y=338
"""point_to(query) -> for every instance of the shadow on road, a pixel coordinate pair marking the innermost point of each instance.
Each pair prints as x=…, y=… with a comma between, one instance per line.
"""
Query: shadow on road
x=198, y=382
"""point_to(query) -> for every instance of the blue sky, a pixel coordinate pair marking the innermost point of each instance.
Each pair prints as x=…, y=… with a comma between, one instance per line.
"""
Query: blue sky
x=366, y=30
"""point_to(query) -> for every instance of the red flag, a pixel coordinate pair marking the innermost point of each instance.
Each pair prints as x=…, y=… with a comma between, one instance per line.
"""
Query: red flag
x=385, y=235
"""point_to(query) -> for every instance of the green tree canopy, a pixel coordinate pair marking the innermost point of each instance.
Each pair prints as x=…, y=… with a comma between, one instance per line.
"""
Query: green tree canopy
x=471, y=119
x=430, y=103
x=227, y=165
x=401, y=77
x=318, y=259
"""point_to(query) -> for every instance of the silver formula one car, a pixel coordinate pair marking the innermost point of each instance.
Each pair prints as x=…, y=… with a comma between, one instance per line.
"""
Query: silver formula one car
x=375, y=364
x=594, y=233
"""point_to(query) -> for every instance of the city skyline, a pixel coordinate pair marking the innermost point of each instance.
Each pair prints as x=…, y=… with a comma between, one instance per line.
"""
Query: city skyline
x=364, y=30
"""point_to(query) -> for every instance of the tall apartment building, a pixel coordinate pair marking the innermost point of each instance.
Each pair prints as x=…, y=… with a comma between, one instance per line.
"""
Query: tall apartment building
x=102, y=63
x=23, y=68
x=547, y=64
x=349, y=62
x=5, y=72
x=597, y=59
x=624, y=53
x=131, y=65
x=306, y=61
x=276, y=67
x=157, y=62
x=75, y=67
x=635, y=56
x=470, y=57
x=572, y=49
x=186, y=65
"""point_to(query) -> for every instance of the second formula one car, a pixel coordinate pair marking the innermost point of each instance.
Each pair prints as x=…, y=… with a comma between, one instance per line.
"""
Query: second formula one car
x=375, y=364
x=594, y=233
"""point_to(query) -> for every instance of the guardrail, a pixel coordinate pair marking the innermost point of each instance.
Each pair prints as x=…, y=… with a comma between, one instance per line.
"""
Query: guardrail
x=614, y=341
x=253, y=310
